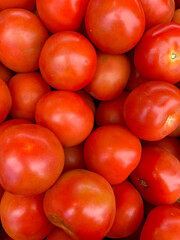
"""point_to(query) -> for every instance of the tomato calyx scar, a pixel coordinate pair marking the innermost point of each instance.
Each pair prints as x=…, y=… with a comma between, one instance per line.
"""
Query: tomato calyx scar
x=174, y=56
x=143, y=183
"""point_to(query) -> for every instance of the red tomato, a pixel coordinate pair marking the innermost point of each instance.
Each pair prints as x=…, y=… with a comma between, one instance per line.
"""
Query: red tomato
x=26, y=90
x=68, y=61
x=58, y=234
x=152, y=110
x=129, y=211
x=67, y=115
x=82, y=203
x=31, y=160
x=23, y=217
x=27, y=4
x=12, y=122
x=162, y=223
x=176, y=132
x=5, y=100
x=74, y=157
x=115, y=26
x=111, y=76
x=176, y=17
x=111, y=112
x=5, y=73
x=157, y=177
x=22, y=38
x=113, y=152
x=58, y=15
x=158, y=11
x=156, y=56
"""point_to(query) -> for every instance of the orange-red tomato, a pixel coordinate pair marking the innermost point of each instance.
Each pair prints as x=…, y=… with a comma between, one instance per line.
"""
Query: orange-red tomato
x=58, y=234
x=176, y=17
x=27, y=4
x=5, y=73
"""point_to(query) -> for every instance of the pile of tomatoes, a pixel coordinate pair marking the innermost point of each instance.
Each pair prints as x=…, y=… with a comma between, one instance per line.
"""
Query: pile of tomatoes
x=90, y=119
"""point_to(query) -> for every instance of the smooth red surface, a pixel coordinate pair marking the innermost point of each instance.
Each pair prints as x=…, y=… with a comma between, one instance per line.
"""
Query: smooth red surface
x=5, y=73
x=113, y=152
x=176, y=132
x=176, y=17
x=157, y=176
x=32, y=159
x=82, y=203
x=27, y=4
x=22, y=38
x=58, y=234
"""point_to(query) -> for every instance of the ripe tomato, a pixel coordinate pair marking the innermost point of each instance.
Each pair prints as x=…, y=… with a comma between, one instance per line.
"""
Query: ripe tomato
x=5, y=100
x=58, y=15
x=23, y=217
x=58, y=234
x=157, y=176
x=152, y=110
x=163, y=223
x=156, y=56
x=82, y=203
x=176, y=17
x=5, y=73
x=68, y=61
x=115, y=26
x=129, y=211
x=113, y=152
x=111, y=112
x=27, y=4
x=67, y=115
x=31, y=160
x=111, y=76
x=22, y=38
x=26, y=90
x=158, y=11
x=176, y=132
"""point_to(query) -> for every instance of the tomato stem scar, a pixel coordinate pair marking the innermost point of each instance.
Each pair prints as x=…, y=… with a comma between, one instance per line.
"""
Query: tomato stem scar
x=143, y=183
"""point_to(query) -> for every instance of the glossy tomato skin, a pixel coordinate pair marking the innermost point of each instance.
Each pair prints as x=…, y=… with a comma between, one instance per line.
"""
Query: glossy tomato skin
x=67, y=115
x=82, y=203
x=58, y=234
x=157, y=176
x=113, y=152
x=22, y=38
x=163, y=222
x=110, y=78
x=27, y=4
x=5, y=73
x=115, y=27
x=158, y=11
x=26, y=89
x=62, y=15
x=68, y=61
x=37, y=154
x=23, y=217
x=161, y=45
x=152, y=110
x=129, y=210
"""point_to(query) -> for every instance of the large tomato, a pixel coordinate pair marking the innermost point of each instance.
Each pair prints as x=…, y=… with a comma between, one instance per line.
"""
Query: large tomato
x=113, y=152
x=21, y=41
x=58, y=15
x=156, y=56
x=115, y=26
x=152, y=110
x=27, y=4
x=32, y=159
x=157, y=176
x=23, y=217
x=67, y=115
x=82, y=203
x=68, y=61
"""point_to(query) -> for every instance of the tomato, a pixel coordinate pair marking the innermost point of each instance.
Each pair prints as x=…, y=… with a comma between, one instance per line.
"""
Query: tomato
x=74, y=157
x=23, y=217
x=111, y=112
x=82, y=203
x=163, y=223
x=58, y=15
x=68, y=61
x=158, y=11
x=129, y=211
x=67, y=115
x=12, y=122
x=176, y=132
x=113, y=152
x=116, y=26
x=26, y=90
x=22, y=38
x=156, y=56
x=157, y=176
x=110, y=78
x=58, y=233
x=5, y=100
x=176, y=17
x=152, y=110
x=31, y=160
x=27, y=4
x=5, y=73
